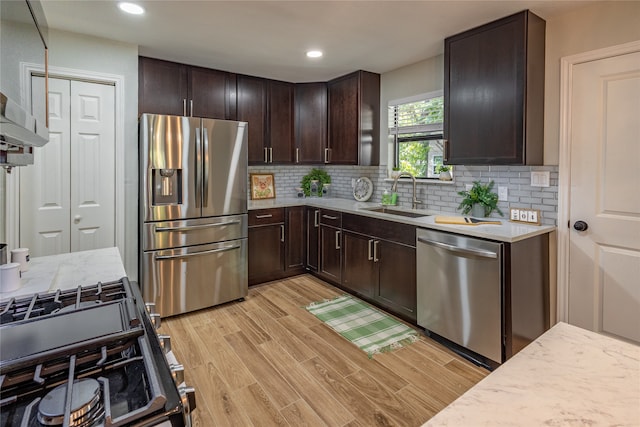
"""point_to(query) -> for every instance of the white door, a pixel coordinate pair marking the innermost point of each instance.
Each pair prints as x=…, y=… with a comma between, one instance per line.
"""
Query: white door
x=67, y=198
x=604, y=259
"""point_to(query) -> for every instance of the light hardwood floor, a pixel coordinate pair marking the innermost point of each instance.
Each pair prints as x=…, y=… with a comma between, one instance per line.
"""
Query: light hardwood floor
x=267, y=361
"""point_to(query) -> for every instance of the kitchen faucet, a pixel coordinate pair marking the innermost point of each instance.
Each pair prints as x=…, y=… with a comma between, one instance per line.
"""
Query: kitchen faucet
x=394, y=188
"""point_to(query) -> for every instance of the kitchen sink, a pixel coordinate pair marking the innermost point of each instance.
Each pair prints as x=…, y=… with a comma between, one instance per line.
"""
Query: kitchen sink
x=386, y=210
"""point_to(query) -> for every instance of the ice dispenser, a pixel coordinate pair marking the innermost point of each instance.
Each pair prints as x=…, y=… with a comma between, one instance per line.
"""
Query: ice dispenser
x=167, y=186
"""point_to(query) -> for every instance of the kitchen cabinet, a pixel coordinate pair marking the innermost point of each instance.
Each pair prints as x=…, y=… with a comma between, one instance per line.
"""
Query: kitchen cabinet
x=276, y=243
x=330, y=262
x=267, y=105
x=266, y=245
x=312, y=216
x=166, y=87
x=354, y=119
x=310, y=122
x=380, y=263
x=494, y=93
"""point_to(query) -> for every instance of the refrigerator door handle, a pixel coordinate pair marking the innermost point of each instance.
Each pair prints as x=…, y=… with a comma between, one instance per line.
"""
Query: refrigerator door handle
x=212, y=251
x=198, y=168
x=205, y=152
x=196, y=227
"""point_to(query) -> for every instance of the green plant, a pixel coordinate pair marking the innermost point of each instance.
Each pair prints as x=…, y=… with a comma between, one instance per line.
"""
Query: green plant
x=322, y=177
x=443, y=168
x=480, y=194
x=395, y=168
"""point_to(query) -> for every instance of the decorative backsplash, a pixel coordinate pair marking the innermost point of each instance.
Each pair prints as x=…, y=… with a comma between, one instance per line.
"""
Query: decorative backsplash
x=437, y=195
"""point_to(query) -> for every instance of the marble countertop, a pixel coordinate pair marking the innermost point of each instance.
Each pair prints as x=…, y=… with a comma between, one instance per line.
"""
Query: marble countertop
x=567, y=377
x=506, y=232
x=65, y=271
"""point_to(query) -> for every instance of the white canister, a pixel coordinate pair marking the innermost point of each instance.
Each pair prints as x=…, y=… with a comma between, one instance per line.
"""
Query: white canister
x=10, y=277
x=21, y=256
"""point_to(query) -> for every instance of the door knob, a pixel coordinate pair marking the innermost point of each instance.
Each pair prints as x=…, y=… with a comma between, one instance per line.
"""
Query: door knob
x=77, y=219
x=580, y=226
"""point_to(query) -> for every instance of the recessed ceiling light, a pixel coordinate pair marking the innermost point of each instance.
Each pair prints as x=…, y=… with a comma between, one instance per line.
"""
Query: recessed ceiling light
x=314, y=53
x=131, y=8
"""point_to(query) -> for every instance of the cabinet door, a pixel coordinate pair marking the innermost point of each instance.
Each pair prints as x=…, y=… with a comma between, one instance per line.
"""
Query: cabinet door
x=396, y=287
x=266, y=253
x=493, y=92
x=162, y=87
x=344, y=119
x=313, y=235
x=295, y=239
x=210, y=92
x=280, y=113
x=330, y=253
x=252, y=97
x=310, y=122
x=360, y=270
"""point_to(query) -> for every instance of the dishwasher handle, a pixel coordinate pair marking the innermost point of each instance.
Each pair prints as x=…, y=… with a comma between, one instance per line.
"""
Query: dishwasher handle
x=459, y=250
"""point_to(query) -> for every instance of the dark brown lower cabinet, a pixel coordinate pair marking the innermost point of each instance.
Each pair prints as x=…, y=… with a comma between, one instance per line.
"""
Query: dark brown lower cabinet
x=360, y=271
x=294, y=240
x=312, y=237
x=396, y=288
x=330, y=254
x=266, y=253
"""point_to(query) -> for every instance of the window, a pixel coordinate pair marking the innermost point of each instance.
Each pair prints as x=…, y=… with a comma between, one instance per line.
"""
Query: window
x=415, y=126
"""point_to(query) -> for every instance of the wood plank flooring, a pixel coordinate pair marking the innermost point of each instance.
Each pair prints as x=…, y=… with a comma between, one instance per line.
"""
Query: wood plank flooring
x=266, y=361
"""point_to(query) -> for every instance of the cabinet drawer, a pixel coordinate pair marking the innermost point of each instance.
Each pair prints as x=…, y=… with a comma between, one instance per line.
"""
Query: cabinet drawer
x=380, y=228
x=332, y=218
x=266, y=216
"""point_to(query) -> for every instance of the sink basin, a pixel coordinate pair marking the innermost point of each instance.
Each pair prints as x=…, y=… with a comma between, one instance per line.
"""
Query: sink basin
x=386, y=210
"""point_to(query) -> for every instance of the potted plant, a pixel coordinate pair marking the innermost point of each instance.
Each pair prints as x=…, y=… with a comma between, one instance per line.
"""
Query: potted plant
x=445, y=172
x=395, y=171
x=479, y=200
x=315, y=175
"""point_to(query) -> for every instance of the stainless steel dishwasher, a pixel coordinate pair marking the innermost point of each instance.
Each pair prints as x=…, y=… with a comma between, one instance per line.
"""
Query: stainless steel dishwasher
x=460, y=290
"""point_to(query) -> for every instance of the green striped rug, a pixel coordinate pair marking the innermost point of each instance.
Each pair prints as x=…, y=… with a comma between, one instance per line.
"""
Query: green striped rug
x=369, y=329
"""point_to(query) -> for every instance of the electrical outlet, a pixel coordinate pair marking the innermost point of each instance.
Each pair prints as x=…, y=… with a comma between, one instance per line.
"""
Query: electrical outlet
x=515, y=214
x=523, y=215
x=532, y=216
x=503, y=194
x=539, y=178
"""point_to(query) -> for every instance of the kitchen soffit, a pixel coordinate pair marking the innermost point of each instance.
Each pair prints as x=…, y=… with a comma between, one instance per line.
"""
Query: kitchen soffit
x=270, y=38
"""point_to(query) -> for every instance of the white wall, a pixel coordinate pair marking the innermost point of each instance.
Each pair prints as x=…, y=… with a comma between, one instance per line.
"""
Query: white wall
x=80, y=52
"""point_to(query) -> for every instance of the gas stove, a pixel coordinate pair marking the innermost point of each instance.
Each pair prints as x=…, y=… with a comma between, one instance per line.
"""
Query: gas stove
x=88, y=357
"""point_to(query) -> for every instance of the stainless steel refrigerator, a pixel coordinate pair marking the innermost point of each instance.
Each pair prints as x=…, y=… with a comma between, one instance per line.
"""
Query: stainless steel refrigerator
x=193, y=210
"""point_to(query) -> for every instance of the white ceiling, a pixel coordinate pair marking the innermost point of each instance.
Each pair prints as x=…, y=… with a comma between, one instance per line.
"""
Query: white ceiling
x=269, y=38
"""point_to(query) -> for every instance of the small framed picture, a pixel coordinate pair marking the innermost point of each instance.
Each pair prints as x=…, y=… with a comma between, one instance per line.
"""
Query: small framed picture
x=263, y=186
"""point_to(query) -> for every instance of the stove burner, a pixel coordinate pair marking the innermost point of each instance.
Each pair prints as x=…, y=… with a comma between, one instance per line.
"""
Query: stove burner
x=86, y=404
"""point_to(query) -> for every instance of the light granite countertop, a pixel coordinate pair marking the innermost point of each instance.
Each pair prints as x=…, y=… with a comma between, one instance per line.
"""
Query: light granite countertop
x=506, y=232
x=567, y=377
x=65, y=271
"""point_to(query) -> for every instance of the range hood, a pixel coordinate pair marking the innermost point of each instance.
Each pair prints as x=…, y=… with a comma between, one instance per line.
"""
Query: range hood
x=18, y=127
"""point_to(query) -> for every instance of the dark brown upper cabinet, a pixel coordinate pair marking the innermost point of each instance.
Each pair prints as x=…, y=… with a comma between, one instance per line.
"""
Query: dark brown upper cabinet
x=310, y=122
x=267, y=105
x=494, y=93
x=354, y=119
x=177, y=89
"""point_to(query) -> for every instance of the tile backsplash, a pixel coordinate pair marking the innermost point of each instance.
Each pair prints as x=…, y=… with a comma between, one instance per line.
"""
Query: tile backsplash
x=438, y=195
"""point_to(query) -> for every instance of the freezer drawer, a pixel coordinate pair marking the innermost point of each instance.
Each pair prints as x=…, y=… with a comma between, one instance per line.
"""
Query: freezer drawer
x=174, y=234
x=459, y=290
x=187, y=279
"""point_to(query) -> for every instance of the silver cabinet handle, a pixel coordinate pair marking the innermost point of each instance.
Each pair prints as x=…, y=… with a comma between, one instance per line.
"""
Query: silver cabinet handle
x=196, y=227
x=212, y=251
x=198, y=168
x=263, y=216
x=370, y=245
x=282, y=233
x=375, y=251
x=316, y=214
x=297, y=155
x=266, y=155
x=456, y=249
x=326, y=155
x=338, y=239
x=205, y=161
x=270, y=154
x=330, y=217
x=445, y=150
x=184, y=106
x=191, y=107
